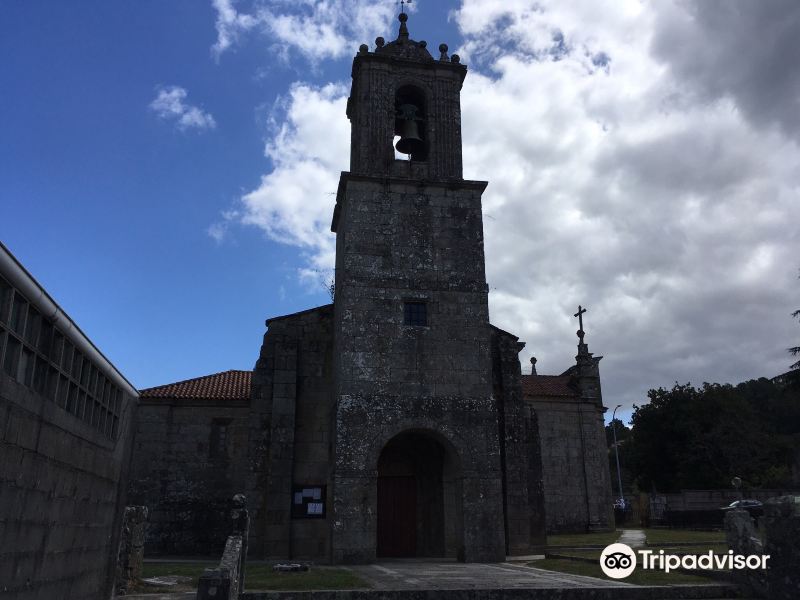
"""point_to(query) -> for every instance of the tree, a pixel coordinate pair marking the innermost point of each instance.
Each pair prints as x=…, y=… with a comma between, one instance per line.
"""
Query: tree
x=623, y=432
x=699, y=438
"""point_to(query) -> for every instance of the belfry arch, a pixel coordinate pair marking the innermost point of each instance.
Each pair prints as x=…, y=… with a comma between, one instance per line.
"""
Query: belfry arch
x=419, y=497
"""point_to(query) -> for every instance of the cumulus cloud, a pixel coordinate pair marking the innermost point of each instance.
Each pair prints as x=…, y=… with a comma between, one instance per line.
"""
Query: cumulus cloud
x=659, y=190
x=316, y=29
x=294, y=202
x=170, y=104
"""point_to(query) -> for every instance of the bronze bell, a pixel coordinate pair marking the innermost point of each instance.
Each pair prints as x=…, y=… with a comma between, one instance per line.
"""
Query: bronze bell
x=409, y=142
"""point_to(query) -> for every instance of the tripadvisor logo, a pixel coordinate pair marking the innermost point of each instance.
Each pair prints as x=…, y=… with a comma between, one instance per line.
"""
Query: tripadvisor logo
x=618, y=561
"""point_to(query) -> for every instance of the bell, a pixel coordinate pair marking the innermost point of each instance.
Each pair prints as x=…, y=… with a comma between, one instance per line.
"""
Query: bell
x=410, y=142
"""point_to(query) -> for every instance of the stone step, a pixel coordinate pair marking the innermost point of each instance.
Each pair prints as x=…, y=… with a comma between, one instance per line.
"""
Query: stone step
x=630, y=592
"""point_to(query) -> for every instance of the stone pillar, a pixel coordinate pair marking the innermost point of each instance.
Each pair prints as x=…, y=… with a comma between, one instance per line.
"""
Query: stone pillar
x=782, y=525
x=131, y=547
x=743, y=539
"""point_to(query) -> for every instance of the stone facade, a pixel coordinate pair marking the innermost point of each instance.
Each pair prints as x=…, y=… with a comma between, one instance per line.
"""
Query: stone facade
x=571, y=427
x=392, y=422
x=66, y=418
x=190, y=459
x=291, y=434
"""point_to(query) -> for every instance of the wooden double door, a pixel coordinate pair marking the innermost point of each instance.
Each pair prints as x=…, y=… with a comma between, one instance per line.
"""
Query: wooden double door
x=397, y=516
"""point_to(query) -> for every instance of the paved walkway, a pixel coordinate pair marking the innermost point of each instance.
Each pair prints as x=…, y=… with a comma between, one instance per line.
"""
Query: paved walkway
x=635, y=538
x=441, y=575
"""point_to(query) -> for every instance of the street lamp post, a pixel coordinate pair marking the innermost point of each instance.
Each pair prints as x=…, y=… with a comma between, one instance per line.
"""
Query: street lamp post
x=616, y=452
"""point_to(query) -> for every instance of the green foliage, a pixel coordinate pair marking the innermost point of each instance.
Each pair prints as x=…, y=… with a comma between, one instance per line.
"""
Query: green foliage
x=700, y=438
x=623, y=432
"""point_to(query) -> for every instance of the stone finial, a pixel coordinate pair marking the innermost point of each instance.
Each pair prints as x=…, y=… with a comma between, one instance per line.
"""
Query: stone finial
x=363, y=49
x=455, y=59
x=443, y=52
x=379, y=42
x=533, y=365
x=423, y=44
x=403, y=35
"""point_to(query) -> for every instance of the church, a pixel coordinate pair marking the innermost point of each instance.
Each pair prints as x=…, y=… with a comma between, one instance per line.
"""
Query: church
x=394, y=422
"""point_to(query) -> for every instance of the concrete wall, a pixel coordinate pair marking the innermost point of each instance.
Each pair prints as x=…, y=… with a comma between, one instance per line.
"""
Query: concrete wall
x=189, y=460
x=63, y=460
x=577, y=484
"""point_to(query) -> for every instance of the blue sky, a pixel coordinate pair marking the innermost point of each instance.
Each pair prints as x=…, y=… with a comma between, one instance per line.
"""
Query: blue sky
x=658, y=186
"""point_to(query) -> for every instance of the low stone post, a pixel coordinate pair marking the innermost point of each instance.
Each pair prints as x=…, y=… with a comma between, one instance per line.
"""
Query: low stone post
x=131, y=548
x=782, y=526
x=742, y=538
x=226, y=582
x=241, y=527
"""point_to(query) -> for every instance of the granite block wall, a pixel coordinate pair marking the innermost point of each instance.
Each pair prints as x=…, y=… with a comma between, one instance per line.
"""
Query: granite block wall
x=290, y=434
x=190, y=458
x=574, y=466
x=402, y=240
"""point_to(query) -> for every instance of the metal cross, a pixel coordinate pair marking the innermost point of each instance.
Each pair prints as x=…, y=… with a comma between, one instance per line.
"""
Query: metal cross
x=579, y=314
x=403, y=5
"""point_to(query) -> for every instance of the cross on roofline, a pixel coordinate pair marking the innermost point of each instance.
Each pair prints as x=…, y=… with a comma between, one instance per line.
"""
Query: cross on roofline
x=579, y=314
x=403, y=5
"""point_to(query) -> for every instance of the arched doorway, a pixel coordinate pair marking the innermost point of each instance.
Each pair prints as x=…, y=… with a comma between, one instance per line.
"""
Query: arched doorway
x=419, y=510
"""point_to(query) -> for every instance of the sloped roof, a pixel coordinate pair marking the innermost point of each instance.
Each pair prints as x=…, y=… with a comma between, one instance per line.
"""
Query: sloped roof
x=227, y=385
x=547, y=385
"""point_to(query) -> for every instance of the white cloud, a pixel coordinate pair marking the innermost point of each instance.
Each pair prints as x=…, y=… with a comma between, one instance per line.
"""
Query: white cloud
x=170, y=105
x=230, y=25
x=294, y=202
x=317, y=29
x=664, y=197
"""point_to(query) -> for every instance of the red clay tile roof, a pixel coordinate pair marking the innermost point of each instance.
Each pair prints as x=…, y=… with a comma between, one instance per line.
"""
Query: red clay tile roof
x=228, y=385
x=547, y=385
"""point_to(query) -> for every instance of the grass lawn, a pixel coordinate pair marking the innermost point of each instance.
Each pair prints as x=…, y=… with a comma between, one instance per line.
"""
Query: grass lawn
x=262, y=577
x=638, y=577
x=259, y=577
x=583, y=539
x=678, y=536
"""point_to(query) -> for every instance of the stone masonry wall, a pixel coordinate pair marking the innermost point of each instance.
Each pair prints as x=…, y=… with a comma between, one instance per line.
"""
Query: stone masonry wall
x=400, y=240
x=62, y=485
x=290, y=434
x=521, y=460
x=190, y=458
x=574, y=462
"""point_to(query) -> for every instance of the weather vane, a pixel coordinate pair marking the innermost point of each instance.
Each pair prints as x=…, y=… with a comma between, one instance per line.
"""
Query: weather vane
x=403, y=5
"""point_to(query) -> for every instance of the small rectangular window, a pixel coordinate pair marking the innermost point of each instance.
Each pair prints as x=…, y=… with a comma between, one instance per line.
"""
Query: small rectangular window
x=26, y=367
x=6, y=292
x=218, y=439
x=63, y=391
x=33, y=326
x=11, y=359
x=55, y=350
x=415, y=314
x=66, y=357
x=52, y=383
x=40, y=375
x=45, y=338
x=72, y=399
x=77, y=363
x=18, y=314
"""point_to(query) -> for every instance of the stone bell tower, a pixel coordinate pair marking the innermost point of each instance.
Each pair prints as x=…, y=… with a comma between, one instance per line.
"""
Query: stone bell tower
x=417, y=468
